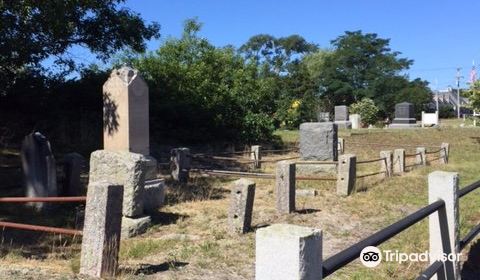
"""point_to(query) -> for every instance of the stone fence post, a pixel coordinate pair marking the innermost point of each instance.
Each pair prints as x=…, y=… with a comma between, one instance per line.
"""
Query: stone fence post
x=101, y=231
x=241, y=206
x=386, y=164
x=180, y=164
x=288, y=252
x=285, y=187
x=341, y=146
x=256, y=155
x=347, y=174
x=444, y=152
x=444, y=223
x=420, y=158
x=399, y=161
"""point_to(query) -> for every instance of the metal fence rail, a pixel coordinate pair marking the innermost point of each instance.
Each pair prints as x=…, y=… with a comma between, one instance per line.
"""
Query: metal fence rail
x=31, y=227
x=41, y=228
x=370, y=160
x=346, y=256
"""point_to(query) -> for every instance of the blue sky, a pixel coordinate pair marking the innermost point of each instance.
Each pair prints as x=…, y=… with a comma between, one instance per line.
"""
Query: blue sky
x=438, y=35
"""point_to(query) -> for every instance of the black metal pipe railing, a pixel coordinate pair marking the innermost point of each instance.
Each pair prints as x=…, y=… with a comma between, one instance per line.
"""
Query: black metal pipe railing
x=433, y=269
x=346, y=256
x=468, y=189
x=469, y=237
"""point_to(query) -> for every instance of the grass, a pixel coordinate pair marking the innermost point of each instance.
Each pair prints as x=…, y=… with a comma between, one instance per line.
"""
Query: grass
x=199, y=240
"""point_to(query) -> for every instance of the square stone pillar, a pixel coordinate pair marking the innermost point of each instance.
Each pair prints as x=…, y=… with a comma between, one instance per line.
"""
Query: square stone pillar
x=421, y=157
x=444, y=224
x=180, y=164
x=241, y=206
x=256, y=155
x=347, y=174
x=288, y=252
x=285, y=187
x=444, y=153
x=101, y=231
x=126, y=112
x=399, y=161
x=386, y=164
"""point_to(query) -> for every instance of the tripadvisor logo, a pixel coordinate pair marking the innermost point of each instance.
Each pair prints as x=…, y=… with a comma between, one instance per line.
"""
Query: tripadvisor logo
x=370, y=256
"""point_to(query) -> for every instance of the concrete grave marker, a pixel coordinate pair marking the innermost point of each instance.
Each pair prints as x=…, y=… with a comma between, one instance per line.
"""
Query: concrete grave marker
x=241, y=206
x=404, y=116
x=285, y=187
x=342, y=117
x=38, y=165
x=72, y=167
x=318, y=141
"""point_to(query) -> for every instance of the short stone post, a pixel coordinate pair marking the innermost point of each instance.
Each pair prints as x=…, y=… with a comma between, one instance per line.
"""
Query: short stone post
x=72, y=167
x=347, y=173
x=241, y=206
x=256, y=155
x=101, y=232
x=444, y=152
x=386, y=163
x=420, y=158
x=444, y=223
x=399, y=161
x=288, y=252
x=285, y=187
x=180, y=164
x=341, y=146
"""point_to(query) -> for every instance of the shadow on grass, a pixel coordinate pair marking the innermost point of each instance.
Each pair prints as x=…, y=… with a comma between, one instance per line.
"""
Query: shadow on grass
x=164, y=218
x=150, y=269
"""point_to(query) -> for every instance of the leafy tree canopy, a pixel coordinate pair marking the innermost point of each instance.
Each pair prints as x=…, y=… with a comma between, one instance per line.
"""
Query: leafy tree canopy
x=32, y=31
x=361, y=65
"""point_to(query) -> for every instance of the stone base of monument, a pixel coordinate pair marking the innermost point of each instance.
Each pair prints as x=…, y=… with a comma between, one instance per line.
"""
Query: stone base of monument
x=134, y=226
x=316, y=169
x=154, y=195
x=403, y=125
x=151, y=169
x=344, y=124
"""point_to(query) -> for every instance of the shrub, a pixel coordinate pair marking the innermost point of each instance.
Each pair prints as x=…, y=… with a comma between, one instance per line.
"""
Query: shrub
x=366, y=109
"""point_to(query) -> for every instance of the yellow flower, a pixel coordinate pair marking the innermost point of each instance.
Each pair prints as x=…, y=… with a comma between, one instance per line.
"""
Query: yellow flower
x=295, y=104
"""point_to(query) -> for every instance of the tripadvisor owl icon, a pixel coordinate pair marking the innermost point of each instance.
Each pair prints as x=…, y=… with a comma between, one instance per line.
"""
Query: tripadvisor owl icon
x=370, y=256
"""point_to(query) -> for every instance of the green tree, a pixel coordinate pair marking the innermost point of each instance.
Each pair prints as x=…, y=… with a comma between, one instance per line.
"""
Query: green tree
x=473, y=95
x=203, y=93
x=418, y=93
x=361, y=65
x=32, y=31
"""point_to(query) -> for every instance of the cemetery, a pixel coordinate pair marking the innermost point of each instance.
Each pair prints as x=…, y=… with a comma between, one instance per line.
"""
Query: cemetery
x=276, y=159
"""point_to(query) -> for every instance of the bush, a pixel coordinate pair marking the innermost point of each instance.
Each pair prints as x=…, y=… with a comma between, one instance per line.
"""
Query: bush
x=446, y=111
x=366, y=109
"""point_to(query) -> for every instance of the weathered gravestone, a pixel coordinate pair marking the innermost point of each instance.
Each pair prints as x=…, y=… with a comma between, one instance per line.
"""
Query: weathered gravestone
x=38, y=164
x=126, y=115
x=318, y=141
x=341, y=117
x=404, y=116
x=72, y=167
x=356, y=120
x=323, y=116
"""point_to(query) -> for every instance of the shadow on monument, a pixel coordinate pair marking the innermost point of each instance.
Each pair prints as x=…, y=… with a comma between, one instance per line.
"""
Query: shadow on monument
x=110, y=114
x=471, y=268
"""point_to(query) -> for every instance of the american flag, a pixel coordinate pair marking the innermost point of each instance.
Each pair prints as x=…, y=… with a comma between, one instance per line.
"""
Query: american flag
x=473, y=74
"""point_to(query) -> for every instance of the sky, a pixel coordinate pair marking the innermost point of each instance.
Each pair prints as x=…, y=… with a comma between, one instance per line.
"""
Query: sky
x=438, y=35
